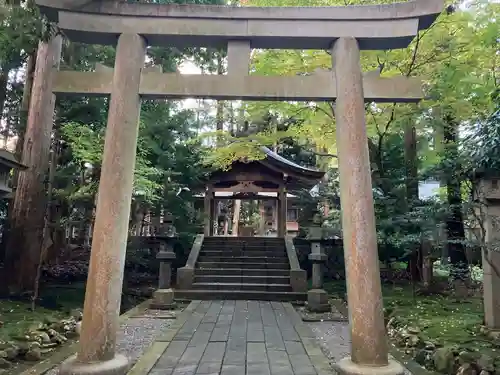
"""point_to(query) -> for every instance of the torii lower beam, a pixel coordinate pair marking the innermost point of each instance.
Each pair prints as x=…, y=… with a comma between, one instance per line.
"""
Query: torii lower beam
x=315, y=87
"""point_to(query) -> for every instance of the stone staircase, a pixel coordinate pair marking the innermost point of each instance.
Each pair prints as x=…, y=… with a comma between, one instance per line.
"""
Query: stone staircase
x=249, y=268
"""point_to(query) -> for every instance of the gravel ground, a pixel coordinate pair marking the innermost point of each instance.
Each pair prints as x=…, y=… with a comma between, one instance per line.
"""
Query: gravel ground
x=334, y=339
x=137, y=334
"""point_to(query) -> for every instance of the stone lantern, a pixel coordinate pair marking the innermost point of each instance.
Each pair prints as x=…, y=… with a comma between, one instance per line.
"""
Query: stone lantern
x=488, y=195
x=163, y=297
x=7, y=163
x=317, y=298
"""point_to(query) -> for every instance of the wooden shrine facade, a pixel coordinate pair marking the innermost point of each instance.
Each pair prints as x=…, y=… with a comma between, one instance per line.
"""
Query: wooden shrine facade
x=270, y=178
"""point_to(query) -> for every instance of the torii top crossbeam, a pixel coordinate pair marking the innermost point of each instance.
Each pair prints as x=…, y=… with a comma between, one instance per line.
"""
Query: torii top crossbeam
x=240, y=29
x=375, y=27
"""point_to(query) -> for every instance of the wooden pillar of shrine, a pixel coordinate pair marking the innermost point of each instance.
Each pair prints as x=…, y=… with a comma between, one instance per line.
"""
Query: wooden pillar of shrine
x=208, y=211
x=369, y=347
x=214, y=215
x=282, y=212
x=262, y=221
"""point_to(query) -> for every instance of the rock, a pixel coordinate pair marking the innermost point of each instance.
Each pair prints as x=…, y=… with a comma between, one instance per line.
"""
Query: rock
x=4, y=363
x=485, y=362
x=49, y=320
x=390, y=323
x=11, y=352
x=494, y=335
x=484, y=372
x=413, y=341
x=44, y=337
x=78, y=328
x=467, y=357
x=444, y=360
x=35, y=327
x=33, y=355
x=413, y=330
x=56, y=336
x=423, y=357
x=429, y=345
x=35, y=345
x=49, y=345
x=77, y=314
x=22, y=347
x=1, y=324
x=466, y=369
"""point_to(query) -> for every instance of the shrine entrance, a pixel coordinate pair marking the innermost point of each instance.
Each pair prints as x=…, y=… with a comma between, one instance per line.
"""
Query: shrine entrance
x=342, y=31
x=272, y=178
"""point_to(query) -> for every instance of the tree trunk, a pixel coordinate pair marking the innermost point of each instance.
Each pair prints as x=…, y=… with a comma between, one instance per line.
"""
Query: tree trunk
x=27, y=220
x=4, y=78
x=455, y=222
x=25, y=104
x=410, y=138
x=23, y=115
x=439, y=147
x=46, y=237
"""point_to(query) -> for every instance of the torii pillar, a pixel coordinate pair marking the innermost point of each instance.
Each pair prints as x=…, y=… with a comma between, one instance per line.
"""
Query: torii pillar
x=97, y=349
x=369, y=348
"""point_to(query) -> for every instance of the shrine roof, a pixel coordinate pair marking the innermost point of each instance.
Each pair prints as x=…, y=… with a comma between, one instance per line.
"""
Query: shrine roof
x=8, y=159
x=269, y=172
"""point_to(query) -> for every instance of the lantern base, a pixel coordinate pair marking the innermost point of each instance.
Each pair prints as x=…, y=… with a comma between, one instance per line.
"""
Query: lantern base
x=163, y=299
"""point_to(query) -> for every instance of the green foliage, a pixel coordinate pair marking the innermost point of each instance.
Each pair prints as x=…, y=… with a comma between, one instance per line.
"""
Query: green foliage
x=20, y=30
x=483, y=144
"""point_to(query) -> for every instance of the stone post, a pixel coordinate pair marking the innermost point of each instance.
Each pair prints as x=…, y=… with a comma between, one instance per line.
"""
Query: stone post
x=163, y=297
x=317, y=298
x=96, y=354
x=369, y=348
x=491, y=266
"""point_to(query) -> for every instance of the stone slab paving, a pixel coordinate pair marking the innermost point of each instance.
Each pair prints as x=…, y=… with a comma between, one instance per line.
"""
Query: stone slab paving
x=236, y=338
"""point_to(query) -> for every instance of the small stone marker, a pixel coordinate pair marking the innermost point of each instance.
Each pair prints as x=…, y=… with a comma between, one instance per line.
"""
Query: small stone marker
x=163, y=298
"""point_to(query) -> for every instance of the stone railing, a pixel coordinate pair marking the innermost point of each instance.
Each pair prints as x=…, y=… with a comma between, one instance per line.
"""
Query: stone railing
x=298, y=277
x=185, y=274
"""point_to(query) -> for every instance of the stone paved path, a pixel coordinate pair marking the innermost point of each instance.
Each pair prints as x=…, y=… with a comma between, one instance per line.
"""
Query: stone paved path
x=136, y=334
x=238, y=338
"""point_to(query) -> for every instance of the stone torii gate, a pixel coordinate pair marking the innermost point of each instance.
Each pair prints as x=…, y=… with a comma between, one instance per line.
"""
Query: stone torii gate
x=343, y=31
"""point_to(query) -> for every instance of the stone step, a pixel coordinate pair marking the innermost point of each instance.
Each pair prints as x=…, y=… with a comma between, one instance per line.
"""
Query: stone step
x=244, y=265
x=236, y=279
x=240, y=272
x=237, y=245
x=188, y=295
x=242, y=239
x=242, y=259
x=236, y=253
x=243, y=286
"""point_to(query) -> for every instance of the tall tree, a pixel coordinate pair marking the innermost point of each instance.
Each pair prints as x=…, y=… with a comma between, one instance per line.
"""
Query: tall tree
x=27, y=221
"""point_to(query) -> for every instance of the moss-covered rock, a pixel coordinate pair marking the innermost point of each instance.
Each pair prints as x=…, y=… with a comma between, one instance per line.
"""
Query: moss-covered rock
x=486, y=362
x=4, y=363
x=444, y=360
